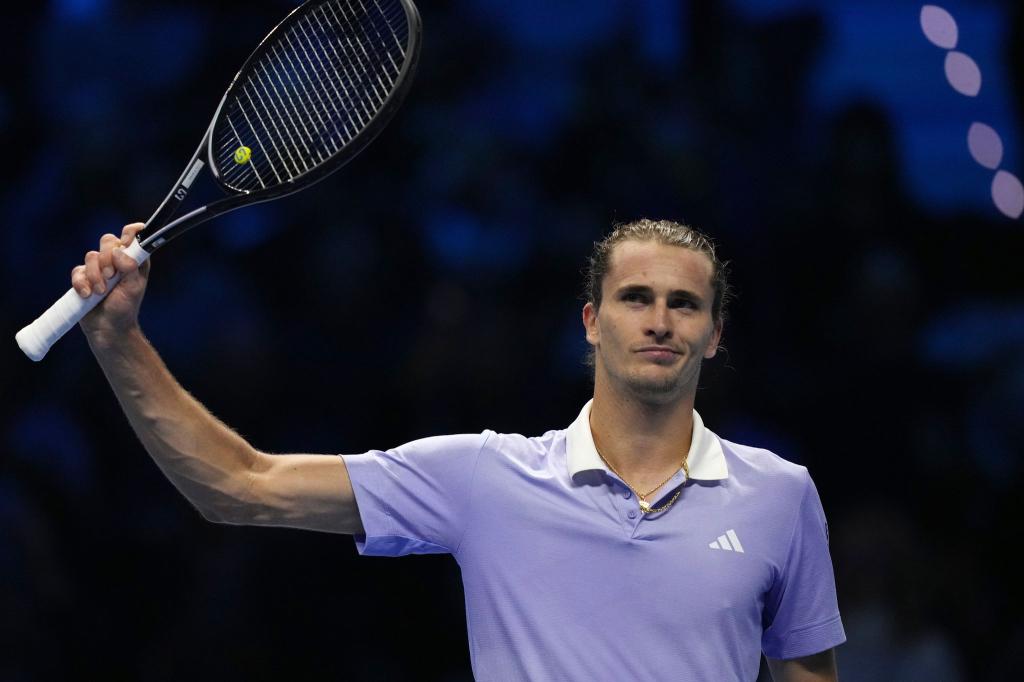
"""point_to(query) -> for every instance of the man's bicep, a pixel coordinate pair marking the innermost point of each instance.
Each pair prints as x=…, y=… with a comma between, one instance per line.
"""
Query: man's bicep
x=820, y=667
x=312, y=492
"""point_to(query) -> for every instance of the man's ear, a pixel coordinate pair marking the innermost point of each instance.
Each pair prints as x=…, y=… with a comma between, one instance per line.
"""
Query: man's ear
x=590, y=324
x=716, y=338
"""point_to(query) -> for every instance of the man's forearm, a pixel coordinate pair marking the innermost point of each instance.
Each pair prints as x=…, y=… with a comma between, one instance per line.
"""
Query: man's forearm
x=206, y=461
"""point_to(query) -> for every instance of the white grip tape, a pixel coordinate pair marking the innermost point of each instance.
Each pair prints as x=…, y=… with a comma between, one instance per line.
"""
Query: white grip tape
x=38, y=337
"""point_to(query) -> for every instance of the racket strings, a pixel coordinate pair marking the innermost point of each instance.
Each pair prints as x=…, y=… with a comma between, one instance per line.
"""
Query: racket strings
x=278, y=122
x=313, y=90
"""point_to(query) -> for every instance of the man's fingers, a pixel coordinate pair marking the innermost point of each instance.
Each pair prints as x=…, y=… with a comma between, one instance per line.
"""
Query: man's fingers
x=80, y=282
x=101, y=265
x=108, y=243
x=92, y=272
x=123, y=262
x=129, y=232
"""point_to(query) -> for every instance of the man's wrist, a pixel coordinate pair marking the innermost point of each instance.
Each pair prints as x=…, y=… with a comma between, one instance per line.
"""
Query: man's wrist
x=108, y=341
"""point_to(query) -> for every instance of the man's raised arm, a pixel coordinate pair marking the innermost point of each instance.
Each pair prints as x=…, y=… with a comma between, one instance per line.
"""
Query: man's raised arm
x=217, y=470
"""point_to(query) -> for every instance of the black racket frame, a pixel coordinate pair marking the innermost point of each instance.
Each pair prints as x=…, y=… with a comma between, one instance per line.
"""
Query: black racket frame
x=160, y=229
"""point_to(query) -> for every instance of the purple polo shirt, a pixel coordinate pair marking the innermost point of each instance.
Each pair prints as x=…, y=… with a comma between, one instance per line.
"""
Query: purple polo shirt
x=566, y=580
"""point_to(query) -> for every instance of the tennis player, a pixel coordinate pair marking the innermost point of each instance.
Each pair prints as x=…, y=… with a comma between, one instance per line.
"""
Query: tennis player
x=634, y=544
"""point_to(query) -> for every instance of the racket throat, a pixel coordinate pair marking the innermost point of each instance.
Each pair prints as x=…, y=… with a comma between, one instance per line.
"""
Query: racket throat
x=173, y=200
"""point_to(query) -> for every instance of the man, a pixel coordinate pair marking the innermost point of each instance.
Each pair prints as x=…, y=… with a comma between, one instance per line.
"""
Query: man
x=635, y=544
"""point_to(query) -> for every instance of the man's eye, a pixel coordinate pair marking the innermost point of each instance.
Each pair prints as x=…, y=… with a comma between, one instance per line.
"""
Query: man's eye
x=631, y=297
x=685, y=304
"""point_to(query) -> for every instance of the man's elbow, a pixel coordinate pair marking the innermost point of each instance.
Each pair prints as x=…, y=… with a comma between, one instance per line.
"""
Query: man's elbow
x=234, y=504
x=231, y=514
x=210, y=515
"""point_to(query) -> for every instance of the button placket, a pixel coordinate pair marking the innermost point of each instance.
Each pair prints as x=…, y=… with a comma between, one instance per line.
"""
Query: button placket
x=632, y=512
x=627, y=494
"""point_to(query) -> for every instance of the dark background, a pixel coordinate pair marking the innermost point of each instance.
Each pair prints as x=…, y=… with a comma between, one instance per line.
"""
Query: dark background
x=433, y=286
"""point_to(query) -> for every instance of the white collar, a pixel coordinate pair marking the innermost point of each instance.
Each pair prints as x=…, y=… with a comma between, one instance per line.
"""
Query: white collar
x=705, y=460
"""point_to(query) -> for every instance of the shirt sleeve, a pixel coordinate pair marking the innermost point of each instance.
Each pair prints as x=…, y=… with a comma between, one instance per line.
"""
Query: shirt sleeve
x=801, y=613
x=414, y=499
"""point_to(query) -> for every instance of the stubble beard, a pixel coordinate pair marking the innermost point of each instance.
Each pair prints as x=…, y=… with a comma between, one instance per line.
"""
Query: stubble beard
x=656, y=391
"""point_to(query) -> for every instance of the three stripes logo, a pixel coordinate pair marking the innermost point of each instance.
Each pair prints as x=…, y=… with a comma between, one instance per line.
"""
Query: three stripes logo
x=728, y=542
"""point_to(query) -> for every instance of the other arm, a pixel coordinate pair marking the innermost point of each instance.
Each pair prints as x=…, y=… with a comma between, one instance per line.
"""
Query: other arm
x=217, y=470
x=820, y=667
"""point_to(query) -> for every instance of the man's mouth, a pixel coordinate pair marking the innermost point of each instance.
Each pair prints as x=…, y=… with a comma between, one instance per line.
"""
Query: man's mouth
x=658, y=352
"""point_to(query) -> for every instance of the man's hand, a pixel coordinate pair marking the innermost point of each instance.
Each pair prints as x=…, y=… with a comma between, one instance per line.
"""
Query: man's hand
x=119, y=311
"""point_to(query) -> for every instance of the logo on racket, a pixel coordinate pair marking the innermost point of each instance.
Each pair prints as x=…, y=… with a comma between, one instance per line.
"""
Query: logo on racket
x=242, y=155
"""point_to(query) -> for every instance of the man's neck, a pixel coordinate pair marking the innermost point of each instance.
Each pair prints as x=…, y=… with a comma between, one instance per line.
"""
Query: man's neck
x=643, y=442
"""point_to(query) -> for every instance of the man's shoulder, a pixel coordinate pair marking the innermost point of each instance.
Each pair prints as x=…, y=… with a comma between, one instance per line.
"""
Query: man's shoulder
x=488, y=443
x=763, y=467
x=516, y=444
x=530, y=455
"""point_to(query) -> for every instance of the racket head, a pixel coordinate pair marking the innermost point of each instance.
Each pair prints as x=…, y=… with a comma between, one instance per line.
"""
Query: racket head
x=315, y=92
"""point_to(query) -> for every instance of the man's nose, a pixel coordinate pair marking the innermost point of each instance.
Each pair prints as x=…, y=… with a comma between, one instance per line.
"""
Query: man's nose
x=659, y=324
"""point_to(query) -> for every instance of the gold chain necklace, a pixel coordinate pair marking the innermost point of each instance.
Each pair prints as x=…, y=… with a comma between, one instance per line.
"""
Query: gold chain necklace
x=645, y=506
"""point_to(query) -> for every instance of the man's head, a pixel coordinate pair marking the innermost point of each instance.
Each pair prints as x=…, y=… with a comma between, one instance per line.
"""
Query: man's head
x=654, y=283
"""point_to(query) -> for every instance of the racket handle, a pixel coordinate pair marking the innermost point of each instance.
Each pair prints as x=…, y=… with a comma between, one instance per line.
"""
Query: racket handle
x=37, y=338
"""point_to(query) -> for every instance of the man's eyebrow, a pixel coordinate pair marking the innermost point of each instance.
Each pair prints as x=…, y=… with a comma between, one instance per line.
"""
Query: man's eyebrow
x=644, y=289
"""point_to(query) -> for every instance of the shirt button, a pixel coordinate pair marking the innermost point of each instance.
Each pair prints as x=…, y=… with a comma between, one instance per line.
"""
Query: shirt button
x=626, y=495
x=631, y=514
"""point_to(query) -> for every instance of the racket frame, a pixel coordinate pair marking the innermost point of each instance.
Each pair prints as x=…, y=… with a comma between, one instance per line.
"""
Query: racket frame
x=160, y=229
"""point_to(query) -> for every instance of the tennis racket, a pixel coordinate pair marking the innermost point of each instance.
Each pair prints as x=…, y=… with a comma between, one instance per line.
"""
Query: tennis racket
x=318, y=89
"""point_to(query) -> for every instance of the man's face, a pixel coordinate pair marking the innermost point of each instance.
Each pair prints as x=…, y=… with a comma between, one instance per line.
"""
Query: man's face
x=653, y=296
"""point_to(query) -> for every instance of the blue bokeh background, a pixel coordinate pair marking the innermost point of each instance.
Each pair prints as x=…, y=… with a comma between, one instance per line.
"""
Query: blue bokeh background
x=432, y=286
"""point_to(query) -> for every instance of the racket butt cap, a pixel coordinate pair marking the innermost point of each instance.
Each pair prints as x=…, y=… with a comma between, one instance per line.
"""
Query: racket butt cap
x=30, y=344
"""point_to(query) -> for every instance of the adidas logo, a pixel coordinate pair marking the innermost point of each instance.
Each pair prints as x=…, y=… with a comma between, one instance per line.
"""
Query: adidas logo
x=729, y=542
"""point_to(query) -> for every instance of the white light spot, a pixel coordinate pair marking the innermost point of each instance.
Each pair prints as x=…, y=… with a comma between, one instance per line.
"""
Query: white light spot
x=1008, y=194
x=963, y=74
x=939, y=26
x=985, y=145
